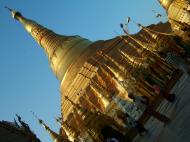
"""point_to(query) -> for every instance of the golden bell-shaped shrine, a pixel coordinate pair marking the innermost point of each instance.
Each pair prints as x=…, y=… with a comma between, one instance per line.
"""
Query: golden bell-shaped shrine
x=96, y=78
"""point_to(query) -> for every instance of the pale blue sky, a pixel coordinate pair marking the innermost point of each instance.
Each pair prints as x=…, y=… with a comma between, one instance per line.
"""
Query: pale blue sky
x=26, y=80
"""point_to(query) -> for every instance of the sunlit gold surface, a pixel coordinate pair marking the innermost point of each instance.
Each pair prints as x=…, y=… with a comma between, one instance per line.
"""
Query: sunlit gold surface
x=77, y=63
x=166, y=3
x=61, y=50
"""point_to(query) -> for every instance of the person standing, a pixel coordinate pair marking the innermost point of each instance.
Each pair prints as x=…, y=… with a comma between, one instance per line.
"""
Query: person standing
x=170, y=97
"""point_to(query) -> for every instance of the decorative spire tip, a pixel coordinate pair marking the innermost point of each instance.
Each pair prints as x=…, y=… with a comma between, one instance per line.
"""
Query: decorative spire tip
x=15, y=14
x=39, y=120
x=6, y=7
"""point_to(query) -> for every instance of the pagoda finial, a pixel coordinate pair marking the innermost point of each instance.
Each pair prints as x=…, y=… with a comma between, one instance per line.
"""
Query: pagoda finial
x=15, y=14
x=61, y=50
x=70, y=132
x=8, y=8
x=53, y=134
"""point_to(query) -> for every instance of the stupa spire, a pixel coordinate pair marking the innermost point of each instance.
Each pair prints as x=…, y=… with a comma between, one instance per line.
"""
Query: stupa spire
x=53, y=134
x=55, y=137
x=61, y=50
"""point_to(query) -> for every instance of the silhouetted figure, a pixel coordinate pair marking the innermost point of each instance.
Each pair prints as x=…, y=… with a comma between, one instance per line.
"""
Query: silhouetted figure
x=170, y=97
